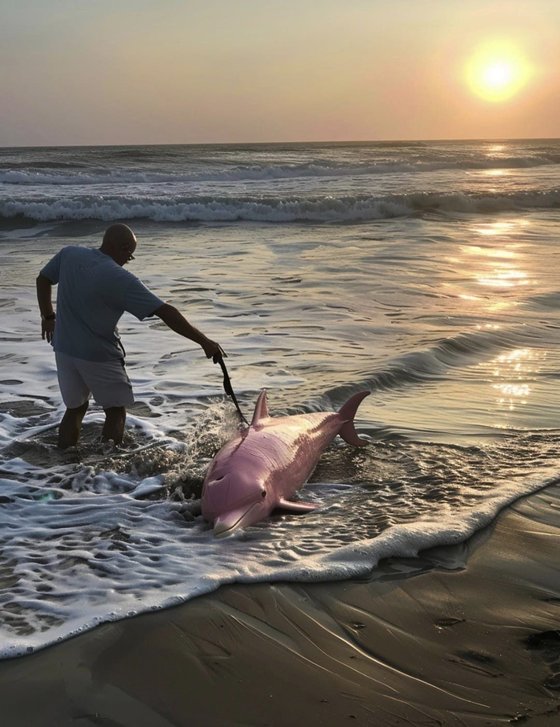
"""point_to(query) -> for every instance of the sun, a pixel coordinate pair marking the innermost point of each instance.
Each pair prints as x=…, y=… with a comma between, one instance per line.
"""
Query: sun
x=497, y=71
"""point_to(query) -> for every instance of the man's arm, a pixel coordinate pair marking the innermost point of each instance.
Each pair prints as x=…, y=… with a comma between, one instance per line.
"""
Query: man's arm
x=178, y=323
x=44, y=298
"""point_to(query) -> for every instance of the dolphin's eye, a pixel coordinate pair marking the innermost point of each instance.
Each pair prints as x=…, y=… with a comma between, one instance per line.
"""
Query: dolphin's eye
x=263, y=493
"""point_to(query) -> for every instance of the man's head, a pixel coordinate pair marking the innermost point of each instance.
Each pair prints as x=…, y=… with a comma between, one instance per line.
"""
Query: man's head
x=119, y=242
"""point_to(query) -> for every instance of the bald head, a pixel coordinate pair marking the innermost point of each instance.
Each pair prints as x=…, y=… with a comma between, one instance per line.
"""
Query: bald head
x=119, y=242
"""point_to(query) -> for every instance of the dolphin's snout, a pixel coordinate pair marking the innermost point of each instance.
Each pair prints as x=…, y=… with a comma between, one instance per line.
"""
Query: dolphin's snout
x=229, y=522
x=221, y=528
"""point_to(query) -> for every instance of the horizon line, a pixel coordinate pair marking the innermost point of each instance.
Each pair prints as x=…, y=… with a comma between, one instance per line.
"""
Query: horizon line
x=282, y=143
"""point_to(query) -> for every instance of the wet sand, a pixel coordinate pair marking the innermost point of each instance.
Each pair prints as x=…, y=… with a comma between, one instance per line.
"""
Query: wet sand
x=465, y=635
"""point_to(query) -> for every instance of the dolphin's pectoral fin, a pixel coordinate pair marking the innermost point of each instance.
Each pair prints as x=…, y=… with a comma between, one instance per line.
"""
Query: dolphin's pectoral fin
x=296, y=506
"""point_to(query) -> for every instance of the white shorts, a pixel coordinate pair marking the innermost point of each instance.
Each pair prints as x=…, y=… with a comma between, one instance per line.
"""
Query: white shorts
x=106, y=380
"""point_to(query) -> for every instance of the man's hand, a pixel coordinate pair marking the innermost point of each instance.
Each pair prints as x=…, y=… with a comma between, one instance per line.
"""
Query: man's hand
x=213, y=350
x=47, y=329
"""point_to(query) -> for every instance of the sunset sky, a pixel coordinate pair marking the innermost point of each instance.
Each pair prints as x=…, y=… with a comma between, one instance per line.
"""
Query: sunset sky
x=190, y=71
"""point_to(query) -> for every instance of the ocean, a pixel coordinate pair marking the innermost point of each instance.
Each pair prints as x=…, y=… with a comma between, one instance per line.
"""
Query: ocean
x=426, y=272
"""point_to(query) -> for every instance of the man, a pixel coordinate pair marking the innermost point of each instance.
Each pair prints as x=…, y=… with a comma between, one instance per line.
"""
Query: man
x=94, y=290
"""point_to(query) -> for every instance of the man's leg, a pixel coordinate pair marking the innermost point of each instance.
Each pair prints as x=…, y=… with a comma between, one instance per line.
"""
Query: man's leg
x=113, y=428
x=70, y=426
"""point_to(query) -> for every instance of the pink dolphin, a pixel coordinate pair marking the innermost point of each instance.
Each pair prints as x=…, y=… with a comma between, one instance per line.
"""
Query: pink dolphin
x=262, y=466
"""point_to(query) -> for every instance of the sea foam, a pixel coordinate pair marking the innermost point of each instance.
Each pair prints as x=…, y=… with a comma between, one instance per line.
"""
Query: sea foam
x=351, y=208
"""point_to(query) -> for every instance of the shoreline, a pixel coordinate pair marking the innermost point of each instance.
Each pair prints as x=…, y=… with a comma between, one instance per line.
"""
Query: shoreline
x=471, y=640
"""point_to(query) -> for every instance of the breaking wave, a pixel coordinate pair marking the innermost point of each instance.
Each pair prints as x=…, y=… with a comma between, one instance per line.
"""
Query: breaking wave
x=348, y=208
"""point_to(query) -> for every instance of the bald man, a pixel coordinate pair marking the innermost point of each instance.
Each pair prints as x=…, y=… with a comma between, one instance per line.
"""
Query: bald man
x=94, y=290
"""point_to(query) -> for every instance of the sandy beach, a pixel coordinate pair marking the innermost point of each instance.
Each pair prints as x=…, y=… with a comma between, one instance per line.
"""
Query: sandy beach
x=464, y=635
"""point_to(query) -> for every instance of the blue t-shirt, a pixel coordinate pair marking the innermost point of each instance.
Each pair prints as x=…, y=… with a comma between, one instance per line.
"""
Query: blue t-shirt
x=93, y=293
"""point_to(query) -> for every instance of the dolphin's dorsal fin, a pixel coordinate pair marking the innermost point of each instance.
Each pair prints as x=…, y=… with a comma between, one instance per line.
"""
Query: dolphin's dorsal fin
x=261, y=409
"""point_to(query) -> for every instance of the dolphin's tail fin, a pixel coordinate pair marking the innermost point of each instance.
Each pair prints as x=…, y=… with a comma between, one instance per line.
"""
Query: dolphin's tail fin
x=347, y=414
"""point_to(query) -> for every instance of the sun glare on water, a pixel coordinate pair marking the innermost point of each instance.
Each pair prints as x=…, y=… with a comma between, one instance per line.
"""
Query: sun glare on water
x=497, y=72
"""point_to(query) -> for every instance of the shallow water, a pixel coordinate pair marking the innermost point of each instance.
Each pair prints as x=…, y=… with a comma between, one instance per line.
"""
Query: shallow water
x=425, y=273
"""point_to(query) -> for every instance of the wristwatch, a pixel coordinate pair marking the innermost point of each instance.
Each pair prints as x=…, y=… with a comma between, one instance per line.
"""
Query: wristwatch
x=50, y=317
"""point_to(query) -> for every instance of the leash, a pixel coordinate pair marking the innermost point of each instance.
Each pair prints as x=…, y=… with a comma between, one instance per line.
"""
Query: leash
x=218, y=358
